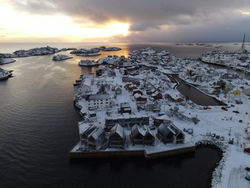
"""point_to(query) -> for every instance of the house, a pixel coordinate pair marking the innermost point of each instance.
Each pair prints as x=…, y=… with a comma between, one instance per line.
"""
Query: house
x=117, y=137
x=86, y=84
x=157, y=95
x=140, y=99
x=137, y=91
x=152, y=107
x=99, y=101
x=96, y=139
x=169, y=133
x=118, y=91
x=149, y=138
x=125, y=108
x=137, y=135
x=229, y=76
x=160, y=120
x=84, y=131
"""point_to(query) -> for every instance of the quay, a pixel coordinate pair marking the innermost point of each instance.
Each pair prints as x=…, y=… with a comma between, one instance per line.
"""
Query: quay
x=135, y=152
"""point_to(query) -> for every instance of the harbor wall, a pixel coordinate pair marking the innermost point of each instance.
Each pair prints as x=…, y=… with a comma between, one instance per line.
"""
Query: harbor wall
x=129, y=153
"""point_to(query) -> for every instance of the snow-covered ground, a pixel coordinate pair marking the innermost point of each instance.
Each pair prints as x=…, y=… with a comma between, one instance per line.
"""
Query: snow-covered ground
x=218, y=125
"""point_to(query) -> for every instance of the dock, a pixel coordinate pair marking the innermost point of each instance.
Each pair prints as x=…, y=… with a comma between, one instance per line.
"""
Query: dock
x=150, y=152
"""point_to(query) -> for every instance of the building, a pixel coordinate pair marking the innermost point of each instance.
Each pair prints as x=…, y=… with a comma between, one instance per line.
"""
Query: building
x=118, y=91
x=85, y=131
x=153, y=107
x=125, y=108
x=137, y=91
x=141, y=136
x=96, y=139
x=140, y=99
x=149, y=138
x=157, y=95
x=99, y=101
x=126, y=121
x=137, y=135
x=169, y=133
x=117, y=137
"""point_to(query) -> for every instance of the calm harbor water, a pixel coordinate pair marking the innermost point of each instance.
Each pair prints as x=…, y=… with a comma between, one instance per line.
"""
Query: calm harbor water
x=39, y=126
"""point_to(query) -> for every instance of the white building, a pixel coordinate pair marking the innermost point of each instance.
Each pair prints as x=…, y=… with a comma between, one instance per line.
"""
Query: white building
x=99, y=101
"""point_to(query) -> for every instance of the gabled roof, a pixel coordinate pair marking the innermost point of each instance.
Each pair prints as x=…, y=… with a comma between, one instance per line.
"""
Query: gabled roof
x=136, y=130
x=83, y=127
x=118, y=129
x=96, y=134
x=167, y=129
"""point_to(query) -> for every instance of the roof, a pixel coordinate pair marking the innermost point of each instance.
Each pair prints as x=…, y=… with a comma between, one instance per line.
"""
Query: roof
x=99, y=97
x=137, y=130
x=83, y=127
x=87, y=82
x=118, y=129
x=96, y=133
x=169, y=128
x=125, y=105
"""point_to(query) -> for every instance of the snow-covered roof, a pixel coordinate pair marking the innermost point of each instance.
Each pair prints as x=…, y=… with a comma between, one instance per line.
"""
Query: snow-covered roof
x=118, y=129
x=87, y=82
x=99, y=97
x=97, y=133
x=83, y=127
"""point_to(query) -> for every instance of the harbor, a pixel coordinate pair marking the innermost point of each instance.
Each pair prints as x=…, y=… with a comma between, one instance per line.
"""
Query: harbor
x=56, y=101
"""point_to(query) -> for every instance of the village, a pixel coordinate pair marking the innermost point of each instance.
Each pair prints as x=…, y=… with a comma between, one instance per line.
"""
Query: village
x=133, y=104
x=152, y=104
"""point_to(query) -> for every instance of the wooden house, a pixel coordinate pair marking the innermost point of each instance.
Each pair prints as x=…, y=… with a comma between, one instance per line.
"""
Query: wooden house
x=117, y=137
x=96, y=139
x=137, y=135
x=169, y=133
x=84, y=133
x=157, y=96
x=149, y=138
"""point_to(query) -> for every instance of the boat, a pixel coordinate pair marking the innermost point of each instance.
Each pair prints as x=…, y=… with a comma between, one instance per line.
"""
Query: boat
x=89, y=63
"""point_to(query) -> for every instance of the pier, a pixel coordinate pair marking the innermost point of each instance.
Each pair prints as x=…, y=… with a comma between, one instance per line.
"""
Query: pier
x=133, y=152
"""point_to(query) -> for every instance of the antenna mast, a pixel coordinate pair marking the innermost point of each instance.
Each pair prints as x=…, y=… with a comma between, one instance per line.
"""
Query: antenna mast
x=243, y=42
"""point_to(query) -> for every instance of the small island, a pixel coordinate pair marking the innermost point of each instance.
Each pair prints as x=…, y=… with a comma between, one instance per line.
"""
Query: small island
x=61, y=57
x=5, y=74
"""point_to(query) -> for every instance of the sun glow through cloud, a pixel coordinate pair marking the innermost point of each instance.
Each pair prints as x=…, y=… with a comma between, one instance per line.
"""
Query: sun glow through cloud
x=23, y=25
x=245, y=12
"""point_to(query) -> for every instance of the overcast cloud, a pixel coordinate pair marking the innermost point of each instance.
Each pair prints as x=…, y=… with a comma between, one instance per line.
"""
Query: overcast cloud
x=156, y=20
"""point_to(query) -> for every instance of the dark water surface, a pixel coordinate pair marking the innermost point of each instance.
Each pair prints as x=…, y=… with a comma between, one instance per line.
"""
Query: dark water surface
x=194, y=94
x=38, y=124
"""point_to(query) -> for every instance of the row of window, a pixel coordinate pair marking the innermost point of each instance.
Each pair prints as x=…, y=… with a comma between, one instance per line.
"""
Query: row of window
x=107, y=103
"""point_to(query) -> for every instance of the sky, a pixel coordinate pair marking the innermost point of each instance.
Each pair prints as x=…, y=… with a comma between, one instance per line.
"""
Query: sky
x=124, y=20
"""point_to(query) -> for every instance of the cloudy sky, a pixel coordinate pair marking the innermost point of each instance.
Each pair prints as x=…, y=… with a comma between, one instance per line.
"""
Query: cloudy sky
x=124, y=20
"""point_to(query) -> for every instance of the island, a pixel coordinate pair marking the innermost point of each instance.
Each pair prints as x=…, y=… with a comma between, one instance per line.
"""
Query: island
x=5, y=74
x=4, y=61
x=61, y=57
x=153, y=105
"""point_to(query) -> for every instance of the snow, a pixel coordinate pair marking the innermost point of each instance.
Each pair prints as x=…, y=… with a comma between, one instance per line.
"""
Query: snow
x=61, y=57
x=216, y=126
x=6, y=61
